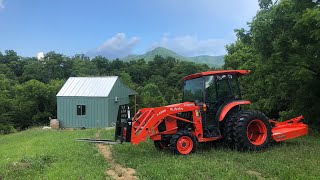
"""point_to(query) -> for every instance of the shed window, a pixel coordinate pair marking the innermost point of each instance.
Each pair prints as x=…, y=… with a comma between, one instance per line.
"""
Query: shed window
x=81, y=110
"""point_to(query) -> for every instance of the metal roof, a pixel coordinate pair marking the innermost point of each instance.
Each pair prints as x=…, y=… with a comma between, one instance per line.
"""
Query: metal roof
x=88, y=86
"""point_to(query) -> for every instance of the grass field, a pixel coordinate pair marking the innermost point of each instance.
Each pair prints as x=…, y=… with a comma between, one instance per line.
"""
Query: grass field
x=49, y=154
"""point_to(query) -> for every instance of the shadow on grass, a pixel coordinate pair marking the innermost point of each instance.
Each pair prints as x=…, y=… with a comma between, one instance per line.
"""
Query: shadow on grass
x=214, y=145
x=221, y=146
x=291, y=144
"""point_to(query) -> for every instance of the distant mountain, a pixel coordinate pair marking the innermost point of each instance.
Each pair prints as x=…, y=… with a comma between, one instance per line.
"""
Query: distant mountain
x=216, y=61
x=212, y=61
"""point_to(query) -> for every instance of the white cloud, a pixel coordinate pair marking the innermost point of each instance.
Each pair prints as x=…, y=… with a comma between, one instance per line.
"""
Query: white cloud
x=192, y=46
x=116, y=47
x=40, y=55
x=2, y=4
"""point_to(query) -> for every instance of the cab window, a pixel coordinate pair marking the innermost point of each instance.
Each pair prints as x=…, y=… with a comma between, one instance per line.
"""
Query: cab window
x=234, y=86
x=223, y=89
x=193, y=90
x=210, y=89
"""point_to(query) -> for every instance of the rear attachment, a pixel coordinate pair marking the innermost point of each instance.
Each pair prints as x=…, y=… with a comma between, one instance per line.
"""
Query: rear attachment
x=103, y=141
x=122, y=129
x=288, y=129
x=123, y=124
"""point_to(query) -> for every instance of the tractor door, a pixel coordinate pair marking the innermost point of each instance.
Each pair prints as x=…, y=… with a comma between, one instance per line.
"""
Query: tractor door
x=210, y=100
x=219, y=91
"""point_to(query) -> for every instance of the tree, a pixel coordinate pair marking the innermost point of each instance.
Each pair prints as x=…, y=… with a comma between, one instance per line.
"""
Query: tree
x=139, y=71
x=152, y=97
x=5, y=70
x=282, y=50
x=159, y=81
x=265, y=4
x=35, y=102
x=6, y=96
x=34, y=70
x=9, y=56
x=126, y=78
x=102, y=64
x=55, y=65
x=82, y=66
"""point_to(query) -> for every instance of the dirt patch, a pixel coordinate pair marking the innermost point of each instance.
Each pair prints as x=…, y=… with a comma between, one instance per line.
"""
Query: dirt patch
x=116, y=171
x=257, y=174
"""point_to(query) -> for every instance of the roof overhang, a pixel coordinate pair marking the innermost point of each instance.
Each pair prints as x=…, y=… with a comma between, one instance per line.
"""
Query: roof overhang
x=208, y=73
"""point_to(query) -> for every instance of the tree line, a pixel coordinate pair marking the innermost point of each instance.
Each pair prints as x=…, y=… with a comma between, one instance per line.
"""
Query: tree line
x=28, y=86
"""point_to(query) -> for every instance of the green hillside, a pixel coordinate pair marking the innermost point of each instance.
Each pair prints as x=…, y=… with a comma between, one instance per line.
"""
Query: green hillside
x=212, y=61
x=216, y=61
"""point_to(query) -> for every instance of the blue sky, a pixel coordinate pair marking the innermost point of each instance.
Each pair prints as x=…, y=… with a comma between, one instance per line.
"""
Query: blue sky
x=116, y=28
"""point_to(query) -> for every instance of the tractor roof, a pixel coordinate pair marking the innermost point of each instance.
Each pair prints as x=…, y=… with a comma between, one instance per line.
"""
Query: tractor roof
x=207, y=73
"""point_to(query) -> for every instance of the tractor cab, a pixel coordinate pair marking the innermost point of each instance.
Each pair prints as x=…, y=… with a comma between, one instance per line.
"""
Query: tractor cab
x=213, y=89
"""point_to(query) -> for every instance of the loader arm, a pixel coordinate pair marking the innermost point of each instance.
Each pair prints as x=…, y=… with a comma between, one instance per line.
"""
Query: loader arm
x=146, y=121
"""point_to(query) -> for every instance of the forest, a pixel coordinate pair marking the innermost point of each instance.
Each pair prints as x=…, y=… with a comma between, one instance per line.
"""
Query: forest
x=29, y=86
x=281, y=47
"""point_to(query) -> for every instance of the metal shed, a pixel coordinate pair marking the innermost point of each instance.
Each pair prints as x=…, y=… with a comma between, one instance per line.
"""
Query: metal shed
x=91, y=102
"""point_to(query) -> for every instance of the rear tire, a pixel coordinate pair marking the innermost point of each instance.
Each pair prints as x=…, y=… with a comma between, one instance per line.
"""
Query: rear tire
x=183, y=143
x=252, y=131
x=228, y=129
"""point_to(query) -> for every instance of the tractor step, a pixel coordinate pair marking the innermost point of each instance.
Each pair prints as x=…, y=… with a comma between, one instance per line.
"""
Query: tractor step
x=103, y=141
x=288, y=129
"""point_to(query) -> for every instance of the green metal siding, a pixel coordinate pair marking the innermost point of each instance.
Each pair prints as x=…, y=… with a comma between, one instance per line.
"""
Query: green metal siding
x=122, y=92
x=96, y=112
x=114, y=107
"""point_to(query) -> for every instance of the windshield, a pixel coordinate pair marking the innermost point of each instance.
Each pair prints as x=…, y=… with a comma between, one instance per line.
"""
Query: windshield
x=193, y=90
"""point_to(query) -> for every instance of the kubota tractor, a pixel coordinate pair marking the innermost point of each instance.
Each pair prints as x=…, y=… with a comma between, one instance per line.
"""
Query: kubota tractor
x=211, y=110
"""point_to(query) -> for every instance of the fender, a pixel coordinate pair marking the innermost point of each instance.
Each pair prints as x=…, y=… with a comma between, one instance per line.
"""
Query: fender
x=229, y=106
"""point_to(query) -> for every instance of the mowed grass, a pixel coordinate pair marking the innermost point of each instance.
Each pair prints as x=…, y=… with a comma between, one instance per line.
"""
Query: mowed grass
x=294, y=159
x=50, y=154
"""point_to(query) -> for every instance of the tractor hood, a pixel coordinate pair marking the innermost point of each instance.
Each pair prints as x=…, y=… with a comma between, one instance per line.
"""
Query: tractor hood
x=180, y=106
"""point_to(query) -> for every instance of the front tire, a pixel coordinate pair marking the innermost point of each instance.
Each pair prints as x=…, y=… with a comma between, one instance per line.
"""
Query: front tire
x=183, y=143
x=252, y=131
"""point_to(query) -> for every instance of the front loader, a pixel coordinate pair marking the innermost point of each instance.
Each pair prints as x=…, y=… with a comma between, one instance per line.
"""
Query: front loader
x=211, y=110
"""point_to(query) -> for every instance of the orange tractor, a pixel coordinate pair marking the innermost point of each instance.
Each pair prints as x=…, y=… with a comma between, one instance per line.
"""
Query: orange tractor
x=211, y=110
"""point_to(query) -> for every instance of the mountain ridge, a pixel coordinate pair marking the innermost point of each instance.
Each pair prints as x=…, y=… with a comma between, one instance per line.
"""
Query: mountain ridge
x=212, y=61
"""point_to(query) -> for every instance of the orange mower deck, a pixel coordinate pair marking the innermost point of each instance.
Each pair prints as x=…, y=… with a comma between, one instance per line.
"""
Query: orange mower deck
x=288, y=129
